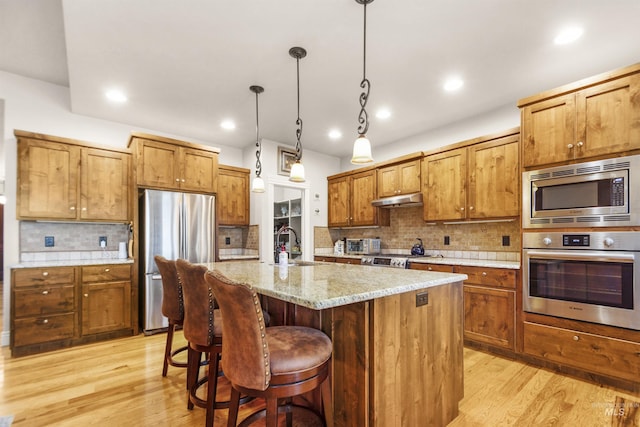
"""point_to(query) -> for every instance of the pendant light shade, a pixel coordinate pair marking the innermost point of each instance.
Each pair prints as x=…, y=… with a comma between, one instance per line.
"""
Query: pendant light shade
x=297, y=169
x=361, y=150
x=362, y=146
x=257, y=186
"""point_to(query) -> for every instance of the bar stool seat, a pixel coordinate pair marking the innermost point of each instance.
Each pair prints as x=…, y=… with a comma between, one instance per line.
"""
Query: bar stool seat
x=172, y=309
x=275, y=363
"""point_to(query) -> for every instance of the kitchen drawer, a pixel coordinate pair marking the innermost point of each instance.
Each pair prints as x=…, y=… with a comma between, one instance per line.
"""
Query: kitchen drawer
x=595, y=353
x=498, y=277
x=431, y=267
x=43, y=276
x=341, y=260
x=36, y=330
x=106, y=273
x=43, y=301
x=324, y=258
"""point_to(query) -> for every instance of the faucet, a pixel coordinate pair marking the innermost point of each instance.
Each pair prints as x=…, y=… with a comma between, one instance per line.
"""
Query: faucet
x=282, y=230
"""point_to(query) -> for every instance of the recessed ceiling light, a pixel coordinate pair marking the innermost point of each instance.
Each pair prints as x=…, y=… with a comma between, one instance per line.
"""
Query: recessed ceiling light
x=383, y=113
x=453, y=84
x=228, y=125
x=335, y=134
x=116, y=95
x=568, y=35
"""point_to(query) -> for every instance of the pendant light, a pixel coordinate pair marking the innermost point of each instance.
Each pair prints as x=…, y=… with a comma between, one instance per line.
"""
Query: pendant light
x=257, y=186
x=297, y=169
x=362, y=146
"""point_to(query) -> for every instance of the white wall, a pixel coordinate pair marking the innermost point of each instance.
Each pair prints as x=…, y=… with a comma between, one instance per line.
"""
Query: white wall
x=495, y=121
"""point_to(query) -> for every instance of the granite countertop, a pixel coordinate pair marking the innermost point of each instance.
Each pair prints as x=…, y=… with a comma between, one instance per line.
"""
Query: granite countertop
x=321, y=285
x=473, y=262
x=72, y=262
x=235, y=257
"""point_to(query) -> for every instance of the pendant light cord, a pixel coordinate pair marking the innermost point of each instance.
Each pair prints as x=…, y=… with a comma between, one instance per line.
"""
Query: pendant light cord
x=299, y=120
x=363, y=117
x=258, y=144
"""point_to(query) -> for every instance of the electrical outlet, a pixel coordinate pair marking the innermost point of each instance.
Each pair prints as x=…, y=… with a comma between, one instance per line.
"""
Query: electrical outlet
x=227, y=240
x=506, y=241
x=422, y=298
x=447, y=240
x=102, y=241
x=49, y=242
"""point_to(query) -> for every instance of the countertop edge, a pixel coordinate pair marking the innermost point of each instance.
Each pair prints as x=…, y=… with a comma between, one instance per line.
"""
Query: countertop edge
x=72, y=263
x=472, y=262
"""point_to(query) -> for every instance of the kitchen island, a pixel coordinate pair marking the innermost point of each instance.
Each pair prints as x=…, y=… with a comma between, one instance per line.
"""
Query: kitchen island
x=397, y=335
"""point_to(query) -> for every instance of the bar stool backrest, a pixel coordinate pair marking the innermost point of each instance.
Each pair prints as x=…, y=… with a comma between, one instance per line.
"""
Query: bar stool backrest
x=172, y=299
x=245, y=352
x=199, y=303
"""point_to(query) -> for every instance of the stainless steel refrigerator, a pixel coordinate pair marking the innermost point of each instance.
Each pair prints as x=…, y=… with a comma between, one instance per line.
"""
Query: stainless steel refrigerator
x=174, y=225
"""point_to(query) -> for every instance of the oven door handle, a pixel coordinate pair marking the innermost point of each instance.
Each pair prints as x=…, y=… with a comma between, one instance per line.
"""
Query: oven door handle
x=581, y=256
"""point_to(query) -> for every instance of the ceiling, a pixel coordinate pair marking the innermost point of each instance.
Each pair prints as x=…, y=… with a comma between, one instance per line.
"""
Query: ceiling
x=187, y=65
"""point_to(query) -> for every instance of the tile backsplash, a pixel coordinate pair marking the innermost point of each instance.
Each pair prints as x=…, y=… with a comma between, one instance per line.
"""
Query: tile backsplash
x=239, y=237
x=406, y=224
x=71, y=240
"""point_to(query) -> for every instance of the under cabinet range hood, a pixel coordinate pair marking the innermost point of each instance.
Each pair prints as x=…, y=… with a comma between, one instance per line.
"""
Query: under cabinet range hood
x=401, y=201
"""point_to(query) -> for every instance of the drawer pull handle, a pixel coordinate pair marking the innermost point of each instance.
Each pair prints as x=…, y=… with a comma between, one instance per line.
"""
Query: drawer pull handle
x=106, y=270
x=45, y=273
x=45, y=321
x=86, y=295
x=576, y=338
x=484, y=273
x=45, y=292
x=430, y=268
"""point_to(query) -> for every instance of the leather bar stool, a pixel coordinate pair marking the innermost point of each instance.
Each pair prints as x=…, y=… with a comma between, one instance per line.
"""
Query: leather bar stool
x=172, y=309
x=275, y=363
x=203, y=330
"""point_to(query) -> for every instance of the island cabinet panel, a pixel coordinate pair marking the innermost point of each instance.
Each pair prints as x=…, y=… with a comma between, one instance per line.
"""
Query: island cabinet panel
x=596, y=117
x=106, y=298
x=232, y=205
x=612, y=357
x=411, y=372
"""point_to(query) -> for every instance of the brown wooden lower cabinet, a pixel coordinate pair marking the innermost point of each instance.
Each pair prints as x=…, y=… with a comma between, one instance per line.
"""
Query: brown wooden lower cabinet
x=595, y=353
x=58, y=307
x=394, y=364
x=324, y=258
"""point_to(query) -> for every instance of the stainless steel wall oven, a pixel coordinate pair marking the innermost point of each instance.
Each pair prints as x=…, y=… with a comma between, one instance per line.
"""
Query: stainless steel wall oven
x=589, y=276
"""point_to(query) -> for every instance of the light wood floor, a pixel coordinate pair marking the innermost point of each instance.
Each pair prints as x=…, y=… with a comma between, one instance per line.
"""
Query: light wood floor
x=119, y=383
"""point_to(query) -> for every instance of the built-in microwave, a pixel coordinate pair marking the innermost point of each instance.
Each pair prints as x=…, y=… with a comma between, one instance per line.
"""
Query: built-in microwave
x=363, y=246
x=602, y=193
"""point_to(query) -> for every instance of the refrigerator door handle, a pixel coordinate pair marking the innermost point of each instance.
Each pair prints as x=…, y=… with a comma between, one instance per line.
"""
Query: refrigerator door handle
x=156, y=277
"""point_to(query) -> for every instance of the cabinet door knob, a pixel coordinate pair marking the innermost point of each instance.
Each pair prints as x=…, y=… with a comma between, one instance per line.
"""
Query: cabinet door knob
x=45, y=273
x=576, y=338
x=462, y=209
x=580, y=144
x=182, y=180
x=84, y=209
x=45, y=292
x=86, y=295
x=570, y=146
x=484, y=274
x=470, y=208
x=72, y=208
x=106, y=270
x=45, y=321
x=177, y=179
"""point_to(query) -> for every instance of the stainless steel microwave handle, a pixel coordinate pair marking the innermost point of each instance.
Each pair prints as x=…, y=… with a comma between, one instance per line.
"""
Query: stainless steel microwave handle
x=581, y=256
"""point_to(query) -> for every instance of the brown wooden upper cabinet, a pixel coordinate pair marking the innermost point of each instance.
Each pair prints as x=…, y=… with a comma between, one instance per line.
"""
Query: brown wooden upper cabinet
x=61, y=179
x=350, y=197
x=594, y=117
x=232, y=202
x=401, y=178
x=166, y=163
x=478, y=181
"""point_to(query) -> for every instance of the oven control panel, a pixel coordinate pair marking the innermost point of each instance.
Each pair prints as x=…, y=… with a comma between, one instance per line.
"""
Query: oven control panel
x=575, y=240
